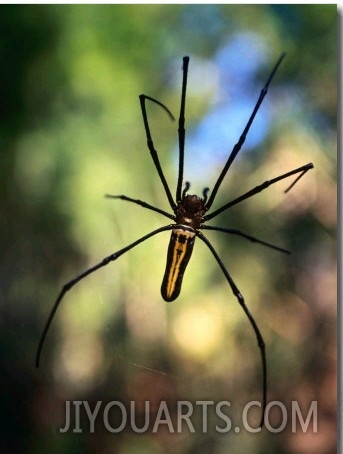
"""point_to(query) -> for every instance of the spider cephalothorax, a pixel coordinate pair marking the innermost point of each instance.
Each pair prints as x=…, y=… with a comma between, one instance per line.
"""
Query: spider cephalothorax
x=190, y=211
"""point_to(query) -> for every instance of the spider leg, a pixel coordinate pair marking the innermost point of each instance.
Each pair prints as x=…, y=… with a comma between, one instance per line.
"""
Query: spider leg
x=244, y=235
x=240, y=299
x=261, y=187
x=181, y=129
x=297, y=179
x=141, y=203
x=69, y=285
x=151, y=146
x=236, y=149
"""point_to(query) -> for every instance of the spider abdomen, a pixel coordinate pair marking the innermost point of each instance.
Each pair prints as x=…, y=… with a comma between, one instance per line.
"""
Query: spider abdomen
x=179, y=252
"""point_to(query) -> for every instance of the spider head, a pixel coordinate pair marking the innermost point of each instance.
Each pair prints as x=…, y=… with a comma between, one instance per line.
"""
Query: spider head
x=190, y=211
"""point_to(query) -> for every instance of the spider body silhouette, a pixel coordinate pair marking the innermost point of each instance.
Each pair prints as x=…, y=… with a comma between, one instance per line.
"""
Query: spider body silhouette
x=190, y=215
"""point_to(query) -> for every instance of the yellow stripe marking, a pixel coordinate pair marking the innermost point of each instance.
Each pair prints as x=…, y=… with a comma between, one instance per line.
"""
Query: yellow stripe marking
x=182, y=239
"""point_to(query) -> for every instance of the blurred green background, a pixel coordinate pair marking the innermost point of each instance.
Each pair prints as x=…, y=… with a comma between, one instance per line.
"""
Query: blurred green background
x=71, y=131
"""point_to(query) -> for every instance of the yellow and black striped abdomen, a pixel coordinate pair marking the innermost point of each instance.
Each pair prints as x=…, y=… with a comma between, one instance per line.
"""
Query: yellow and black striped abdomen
x=179, y=252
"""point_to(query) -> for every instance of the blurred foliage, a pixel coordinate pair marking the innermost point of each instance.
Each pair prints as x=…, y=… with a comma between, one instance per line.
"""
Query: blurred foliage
x=71, y=131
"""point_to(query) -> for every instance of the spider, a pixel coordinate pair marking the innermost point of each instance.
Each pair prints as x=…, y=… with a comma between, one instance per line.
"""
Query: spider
x=190, y=215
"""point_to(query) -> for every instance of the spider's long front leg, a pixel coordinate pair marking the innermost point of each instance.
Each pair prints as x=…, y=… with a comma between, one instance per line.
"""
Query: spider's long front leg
x=236, y=149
